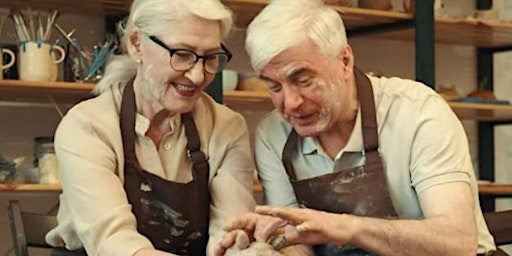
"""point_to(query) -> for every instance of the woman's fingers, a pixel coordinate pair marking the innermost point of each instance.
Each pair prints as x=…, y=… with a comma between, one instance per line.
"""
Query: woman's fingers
x=268, y=226
x=245, y=221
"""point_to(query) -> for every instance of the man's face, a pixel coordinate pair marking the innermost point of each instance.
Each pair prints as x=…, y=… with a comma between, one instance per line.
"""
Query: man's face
x=177, y=91
x=311, y=91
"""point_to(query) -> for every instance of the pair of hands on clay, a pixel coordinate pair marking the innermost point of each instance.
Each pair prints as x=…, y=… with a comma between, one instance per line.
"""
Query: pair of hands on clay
x=269, y=229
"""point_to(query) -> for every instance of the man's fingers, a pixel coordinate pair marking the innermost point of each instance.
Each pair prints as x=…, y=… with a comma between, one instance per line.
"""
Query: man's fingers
x=294, y=216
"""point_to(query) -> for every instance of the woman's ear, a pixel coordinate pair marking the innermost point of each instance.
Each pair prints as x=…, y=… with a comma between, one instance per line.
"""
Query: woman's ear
x=134, y=45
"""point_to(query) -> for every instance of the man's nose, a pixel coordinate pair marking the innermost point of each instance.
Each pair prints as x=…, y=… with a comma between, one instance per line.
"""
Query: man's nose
x=292, y=97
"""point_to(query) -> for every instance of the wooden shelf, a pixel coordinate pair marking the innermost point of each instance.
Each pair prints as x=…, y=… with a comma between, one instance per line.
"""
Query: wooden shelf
x=96, y=7
x=57, y=187
x=482, y=112
x=30, y=187
x=246, y=10
x=472, y=32
x=495, y=189
x=64, y=92
x=448, y=30
x=245, y=100
x=491, y=189
x=29, y=91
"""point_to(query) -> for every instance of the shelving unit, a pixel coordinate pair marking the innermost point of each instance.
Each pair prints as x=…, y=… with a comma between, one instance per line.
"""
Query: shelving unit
x=484, y=189
x=487, y=36
x=70, y=93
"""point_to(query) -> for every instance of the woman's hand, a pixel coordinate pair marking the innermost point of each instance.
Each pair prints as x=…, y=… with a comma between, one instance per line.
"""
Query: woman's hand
x=256, y=227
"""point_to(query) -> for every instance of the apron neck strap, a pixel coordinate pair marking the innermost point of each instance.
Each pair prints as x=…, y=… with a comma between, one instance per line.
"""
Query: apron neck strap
x=127, y=120
x=199, y=160
x=368, y=116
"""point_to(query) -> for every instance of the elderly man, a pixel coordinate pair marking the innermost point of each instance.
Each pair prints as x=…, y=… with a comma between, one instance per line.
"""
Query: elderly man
x=381, y=164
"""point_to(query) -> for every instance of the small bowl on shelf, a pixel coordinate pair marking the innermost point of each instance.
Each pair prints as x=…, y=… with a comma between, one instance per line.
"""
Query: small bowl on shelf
x=229, y=80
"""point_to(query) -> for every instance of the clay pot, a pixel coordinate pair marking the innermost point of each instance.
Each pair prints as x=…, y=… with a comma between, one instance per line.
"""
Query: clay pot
x=375, y=4
x=348, y=3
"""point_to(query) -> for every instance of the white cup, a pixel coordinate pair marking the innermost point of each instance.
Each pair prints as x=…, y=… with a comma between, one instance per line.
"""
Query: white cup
x=8, y=65
x=36, y=62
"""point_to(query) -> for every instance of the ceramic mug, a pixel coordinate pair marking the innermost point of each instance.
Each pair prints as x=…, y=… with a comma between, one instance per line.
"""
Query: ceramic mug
x=36, y=62
x=9, y=64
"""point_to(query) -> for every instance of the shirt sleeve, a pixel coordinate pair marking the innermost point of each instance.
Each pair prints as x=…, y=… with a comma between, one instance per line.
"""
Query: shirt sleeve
x=270, y=137
x=94, y=195
x=440, y=152
x=231, y=188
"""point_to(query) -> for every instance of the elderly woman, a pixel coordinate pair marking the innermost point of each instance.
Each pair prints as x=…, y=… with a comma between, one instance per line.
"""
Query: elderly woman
x=153, y=165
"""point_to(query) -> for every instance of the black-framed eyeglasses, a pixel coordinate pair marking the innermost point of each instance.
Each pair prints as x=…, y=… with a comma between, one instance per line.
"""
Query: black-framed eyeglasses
x=184, y=59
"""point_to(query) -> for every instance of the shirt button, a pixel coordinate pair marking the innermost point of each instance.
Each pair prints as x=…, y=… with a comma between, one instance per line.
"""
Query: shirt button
x=167, y=146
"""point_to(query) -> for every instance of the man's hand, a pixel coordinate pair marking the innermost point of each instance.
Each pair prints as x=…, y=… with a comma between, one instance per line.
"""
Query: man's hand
x=311, y=227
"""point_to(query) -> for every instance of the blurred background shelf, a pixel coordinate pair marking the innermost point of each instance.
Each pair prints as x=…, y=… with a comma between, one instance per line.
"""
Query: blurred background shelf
x=484, y=189
x=39, y=92
x=64, y=92
x=483, y=112
x=393, y=25
x=30, y=187
x=471, y=32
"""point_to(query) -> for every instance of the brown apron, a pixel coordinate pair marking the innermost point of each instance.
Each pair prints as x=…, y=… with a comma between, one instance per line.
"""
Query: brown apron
x=173, y=216
x=359, y=189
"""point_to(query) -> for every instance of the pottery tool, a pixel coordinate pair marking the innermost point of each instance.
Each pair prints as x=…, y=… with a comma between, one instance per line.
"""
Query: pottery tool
x=50, y=22
x=72, y=42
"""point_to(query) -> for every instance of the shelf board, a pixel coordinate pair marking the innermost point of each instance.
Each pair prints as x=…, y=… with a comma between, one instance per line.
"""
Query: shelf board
x=96, y=7
x=246, y=100
x=495, y=189
x=482, y=112
x=448, y=30
x=471, y=32
x=246, y=10
x=71, y=93
x=483, y=189
x=39, y=92
x=30, y=187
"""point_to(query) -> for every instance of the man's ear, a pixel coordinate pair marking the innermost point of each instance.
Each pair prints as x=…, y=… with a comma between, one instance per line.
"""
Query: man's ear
x=134, y=45
x=346, y=57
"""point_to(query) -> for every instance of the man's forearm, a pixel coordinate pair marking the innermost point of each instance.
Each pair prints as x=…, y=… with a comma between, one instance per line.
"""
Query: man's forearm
x=434, y=236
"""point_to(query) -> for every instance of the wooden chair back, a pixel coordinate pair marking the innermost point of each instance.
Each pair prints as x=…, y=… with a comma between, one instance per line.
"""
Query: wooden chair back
x=500, y=226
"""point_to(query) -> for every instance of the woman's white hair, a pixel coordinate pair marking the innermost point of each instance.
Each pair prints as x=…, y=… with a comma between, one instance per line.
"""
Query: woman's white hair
x=284, y=24
x=158, y=17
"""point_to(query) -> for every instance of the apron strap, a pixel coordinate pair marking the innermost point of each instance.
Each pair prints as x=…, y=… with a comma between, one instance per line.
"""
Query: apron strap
x=127, y=120
x=289, y=147
x=368, y=116
x=199, y=161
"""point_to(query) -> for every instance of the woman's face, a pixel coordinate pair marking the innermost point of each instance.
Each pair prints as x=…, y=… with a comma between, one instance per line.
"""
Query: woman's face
x=164, y=88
